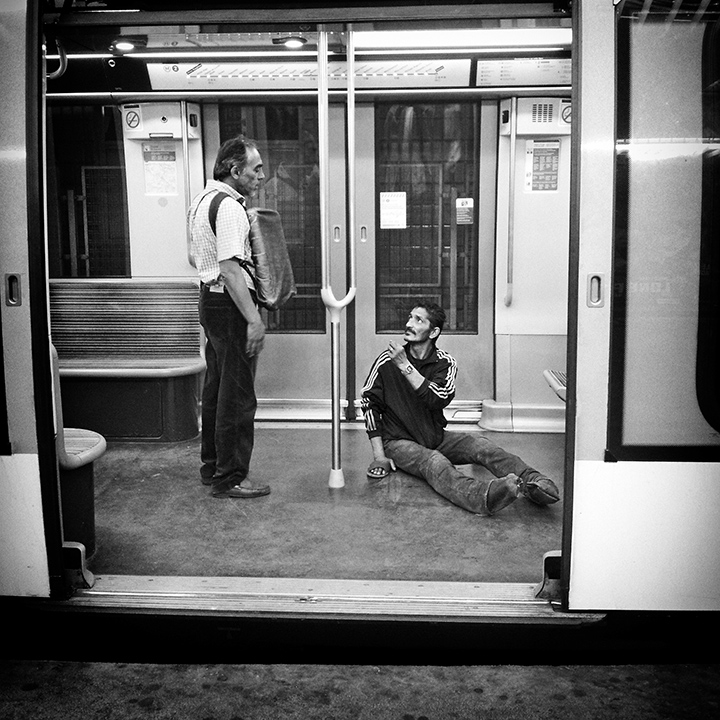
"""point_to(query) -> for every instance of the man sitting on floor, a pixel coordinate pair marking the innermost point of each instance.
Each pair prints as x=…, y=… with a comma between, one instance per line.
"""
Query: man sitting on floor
x=403, y=400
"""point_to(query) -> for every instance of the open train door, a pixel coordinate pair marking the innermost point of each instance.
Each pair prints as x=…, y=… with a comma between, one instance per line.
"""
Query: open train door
x=643, y=509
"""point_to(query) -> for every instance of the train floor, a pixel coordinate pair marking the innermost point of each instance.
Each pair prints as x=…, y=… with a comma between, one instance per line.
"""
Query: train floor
x=154, y=517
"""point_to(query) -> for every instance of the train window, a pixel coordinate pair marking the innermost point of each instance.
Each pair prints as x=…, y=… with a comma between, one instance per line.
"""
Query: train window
x=708, y=377
x=88, y=232
x=428, y=151
x=667, y=175
x=287, y=137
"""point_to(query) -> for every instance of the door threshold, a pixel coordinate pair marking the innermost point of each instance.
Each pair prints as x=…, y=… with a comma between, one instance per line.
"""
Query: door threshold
x=325, y=598
x=319, y=410
x=289, y=410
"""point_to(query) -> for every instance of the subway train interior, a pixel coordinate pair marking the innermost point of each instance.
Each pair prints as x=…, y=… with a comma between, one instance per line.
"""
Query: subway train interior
x=546, y=171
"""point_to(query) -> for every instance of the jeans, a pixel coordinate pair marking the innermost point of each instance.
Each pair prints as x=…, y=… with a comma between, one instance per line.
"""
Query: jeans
x=228, y=397
x=437, y=467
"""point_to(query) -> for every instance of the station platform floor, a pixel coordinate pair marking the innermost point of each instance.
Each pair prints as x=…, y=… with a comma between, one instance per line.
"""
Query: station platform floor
x=50, y=690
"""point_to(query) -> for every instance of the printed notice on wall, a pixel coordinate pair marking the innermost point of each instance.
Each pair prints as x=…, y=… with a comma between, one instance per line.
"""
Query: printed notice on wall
x=464, y=211
x=160, y=168
x=542, y=164
x=393, y=210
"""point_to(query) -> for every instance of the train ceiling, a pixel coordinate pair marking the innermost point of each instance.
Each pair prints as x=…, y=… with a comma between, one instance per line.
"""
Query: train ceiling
x=94, y=58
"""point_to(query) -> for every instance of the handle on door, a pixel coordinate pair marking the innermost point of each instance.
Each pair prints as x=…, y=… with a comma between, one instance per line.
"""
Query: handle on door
x=13, y=290
x=595, y=297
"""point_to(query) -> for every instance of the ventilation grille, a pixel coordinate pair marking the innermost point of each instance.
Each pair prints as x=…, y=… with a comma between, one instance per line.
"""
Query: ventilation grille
x=542, y=113
x=136, y=320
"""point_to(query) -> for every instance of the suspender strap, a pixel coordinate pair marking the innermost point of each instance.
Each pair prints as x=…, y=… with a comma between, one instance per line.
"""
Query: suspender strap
x=212, y=217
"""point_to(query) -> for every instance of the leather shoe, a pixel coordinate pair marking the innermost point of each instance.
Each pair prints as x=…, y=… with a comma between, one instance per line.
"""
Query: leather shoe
x=245, y=489
x=501, y=492
x=207, y=474
x=539, y=489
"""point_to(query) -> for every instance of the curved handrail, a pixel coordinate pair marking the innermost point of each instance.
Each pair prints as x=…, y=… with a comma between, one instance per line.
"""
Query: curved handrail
x=62, y=67
x=328, y=296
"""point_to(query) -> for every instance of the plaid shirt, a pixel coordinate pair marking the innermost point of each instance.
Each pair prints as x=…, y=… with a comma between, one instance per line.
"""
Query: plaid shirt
x=230, y=240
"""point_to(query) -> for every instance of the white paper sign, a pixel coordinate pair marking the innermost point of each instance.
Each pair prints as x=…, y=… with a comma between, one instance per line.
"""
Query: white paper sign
x=160, y=168
x=393, y=210
x=464, y=211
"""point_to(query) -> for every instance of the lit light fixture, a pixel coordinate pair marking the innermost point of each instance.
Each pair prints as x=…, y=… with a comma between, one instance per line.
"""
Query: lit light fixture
x=127, y=44
x=293, y=42
x=466, y=39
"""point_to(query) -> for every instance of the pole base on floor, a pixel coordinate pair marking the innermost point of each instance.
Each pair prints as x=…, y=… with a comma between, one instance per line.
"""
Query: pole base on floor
x=337, y=479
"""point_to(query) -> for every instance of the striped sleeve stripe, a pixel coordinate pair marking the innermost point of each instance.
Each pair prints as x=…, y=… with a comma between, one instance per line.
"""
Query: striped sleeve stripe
x=374, y=370
x=368, y=414
x=370, y=424
x=448, y=388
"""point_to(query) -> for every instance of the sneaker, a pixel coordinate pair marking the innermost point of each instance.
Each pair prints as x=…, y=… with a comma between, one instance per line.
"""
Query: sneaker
x=538, y=489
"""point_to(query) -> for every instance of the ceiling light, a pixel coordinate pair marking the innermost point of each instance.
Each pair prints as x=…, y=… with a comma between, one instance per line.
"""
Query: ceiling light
x=470, y=39
x=128, y=44
x=291, y=41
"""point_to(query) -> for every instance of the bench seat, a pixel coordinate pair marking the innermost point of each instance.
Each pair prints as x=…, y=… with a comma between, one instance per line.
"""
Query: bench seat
x=77, y=449
x=130, y=355
x=131, y=367
x=557, y=380
x=80, y=447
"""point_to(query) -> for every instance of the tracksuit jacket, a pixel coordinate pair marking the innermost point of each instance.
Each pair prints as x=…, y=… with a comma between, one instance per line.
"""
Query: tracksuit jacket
x=394, y=410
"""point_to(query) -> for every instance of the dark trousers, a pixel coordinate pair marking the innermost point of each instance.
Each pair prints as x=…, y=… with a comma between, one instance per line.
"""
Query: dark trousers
x=228, y=398
x=437, y=467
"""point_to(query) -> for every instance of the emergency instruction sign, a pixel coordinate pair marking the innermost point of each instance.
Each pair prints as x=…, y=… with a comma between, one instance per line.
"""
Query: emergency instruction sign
x=160, y=166
x=542, y=165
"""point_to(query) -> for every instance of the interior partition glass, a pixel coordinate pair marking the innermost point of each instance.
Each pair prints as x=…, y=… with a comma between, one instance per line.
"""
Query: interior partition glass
x=426, y=239
x=88, y=233
x=666, y=180
x=287, y=137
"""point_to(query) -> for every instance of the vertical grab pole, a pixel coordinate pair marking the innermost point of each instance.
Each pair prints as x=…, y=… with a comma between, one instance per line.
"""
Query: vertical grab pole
x=334, y=306
x=510, y=271
x=351, y=152
x=323, y=153
x=185, y=123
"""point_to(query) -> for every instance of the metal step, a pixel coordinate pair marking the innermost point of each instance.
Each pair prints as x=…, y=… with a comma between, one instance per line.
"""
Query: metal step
x=326, y=598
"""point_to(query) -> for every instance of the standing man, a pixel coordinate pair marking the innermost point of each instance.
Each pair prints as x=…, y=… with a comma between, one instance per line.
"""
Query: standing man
x=229, y=315
x=403, y=400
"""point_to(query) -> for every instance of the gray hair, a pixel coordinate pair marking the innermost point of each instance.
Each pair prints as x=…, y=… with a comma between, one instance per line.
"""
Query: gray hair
x=232, y=152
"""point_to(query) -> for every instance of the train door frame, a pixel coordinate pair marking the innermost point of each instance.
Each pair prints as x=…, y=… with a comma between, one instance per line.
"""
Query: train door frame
x=630, y=521
x=43, y=373
x=32, y=559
